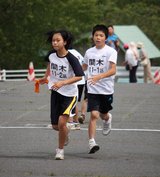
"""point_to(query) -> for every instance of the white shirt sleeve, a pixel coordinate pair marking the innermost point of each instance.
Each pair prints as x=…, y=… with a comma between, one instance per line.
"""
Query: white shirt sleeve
x=113, y=57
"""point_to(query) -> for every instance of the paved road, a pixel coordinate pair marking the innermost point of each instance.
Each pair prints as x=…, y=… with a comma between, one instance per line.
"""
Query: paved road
x=27, y=146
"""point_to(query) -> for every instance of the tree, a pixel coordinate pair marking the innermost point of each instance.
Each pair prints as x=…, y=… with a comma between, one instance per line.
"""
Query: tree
x=25, y=22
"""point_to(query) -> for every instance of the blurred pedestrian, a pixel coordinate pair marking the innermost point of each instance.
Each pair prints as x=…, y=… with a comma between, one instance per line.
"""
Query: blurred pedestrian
x=145, y=62
x=125, y=63
x=131, y=58
x=112, y=39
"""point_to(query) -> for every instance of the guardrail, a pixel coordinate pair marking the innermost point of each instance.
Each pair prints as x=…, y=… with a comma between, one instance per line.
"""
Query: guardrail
x=21, y=75
x=123, y=73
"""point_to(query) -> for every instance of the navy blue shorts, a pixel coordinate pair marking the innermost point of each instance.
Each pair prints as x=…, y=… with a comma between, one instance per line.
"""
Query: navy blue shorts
x=99, y=102
x=61, y=105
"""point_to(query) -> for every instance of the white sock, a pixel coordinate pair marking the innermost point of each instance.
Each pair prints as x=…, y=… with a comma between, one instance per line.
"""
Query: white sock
x=61, y=150
x=109, y=120
x=92, y=140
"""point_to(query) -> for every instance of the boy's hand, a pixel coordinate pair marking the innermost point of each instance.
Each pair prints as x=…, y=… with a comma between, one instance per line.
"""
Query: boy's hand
x=39, y=81
x=43, y=81
x=92, y=80
x=58, y=85
x=110, y=42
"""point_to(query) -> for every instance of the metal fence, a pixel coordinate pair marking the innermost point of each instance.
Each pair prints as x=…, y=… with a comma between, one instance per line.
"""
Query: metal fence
x=21, y=75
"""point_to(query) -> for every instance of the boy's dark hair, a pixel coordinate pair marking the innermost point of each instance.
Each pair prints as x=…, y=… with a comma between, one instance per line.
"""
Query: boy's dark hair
x=49, y=36
x=110, y=26
x=66, y=35
x=100, y=27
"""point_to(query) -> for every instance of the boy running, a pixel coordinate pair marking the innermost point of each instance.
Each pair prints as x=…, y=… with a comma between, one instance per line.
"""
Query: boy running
x=100, y=62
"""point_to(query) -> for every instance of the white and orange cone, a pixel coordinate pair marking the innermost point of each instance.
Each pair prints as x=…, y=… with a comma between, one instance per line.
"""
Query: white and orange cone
x=157, y=77
x=31, y=73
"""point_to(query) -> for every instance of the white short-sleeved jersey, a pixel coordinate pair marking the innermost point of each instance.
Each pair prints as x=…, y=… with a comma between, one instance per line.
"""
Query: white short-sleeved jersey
x=98, y=62
x=62, y=68
x=81, y=61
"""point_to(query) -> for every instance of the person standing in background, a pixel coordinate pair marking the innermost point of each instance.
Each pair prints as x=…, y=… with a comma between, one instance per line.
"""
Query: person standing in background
x=112, y=39
x=125, y=63
x=145, y=62
x=131, y=58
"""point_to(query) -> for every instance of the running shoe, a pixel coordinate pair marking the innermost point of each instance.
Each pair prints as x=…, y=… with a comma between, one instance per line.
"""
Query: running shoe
x=49, y=126
x=59, y=154
x=81, y=119
x=73, y=126
x=107, y=125
x=93, y=147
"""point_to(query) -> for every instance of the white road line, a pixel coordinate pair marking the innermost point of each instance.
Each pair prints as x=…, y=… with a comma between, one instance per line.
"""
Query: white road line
x=99, y=129
x=135, y=130
x=41, y=107
x=22, y=115
x=2, y=91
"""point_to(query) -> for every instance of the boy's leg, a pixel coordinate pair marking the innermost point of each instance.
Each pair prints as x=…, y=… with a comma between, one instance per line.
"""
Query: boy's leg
x=93, y=147
x=55, y=127
x=107, y=120
x=84, y=107
x=93, y=108
x=94, y=115
x=104, y=116
x=75, y=117
x=63, y=130
x=105, y=107
x=83, y=111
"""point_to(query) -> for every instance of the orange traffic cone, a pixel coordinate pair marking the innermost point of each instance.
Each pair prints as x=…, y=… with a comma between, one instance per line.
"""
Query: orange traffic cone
x=157, y=77
x=31, y=73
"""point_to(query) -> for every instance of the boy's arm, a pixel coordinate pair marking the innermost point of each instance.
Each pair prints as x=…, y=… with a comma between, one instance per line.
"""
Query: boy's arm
x=117, y=44
x=84, y=66
x=71, y=80
x=47, y=73
x=110, y=72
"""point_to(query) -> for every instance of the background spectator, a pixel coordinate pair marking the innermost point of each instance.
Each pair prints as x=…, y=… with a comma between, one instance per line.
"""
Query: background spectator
x=112, y=39
x=145, y=62
x=131, y=58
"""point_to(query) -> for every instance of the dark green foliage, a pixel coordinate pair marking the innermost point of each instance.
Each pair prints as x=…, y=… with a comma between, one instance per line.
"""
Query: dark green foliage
x=23, y=24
